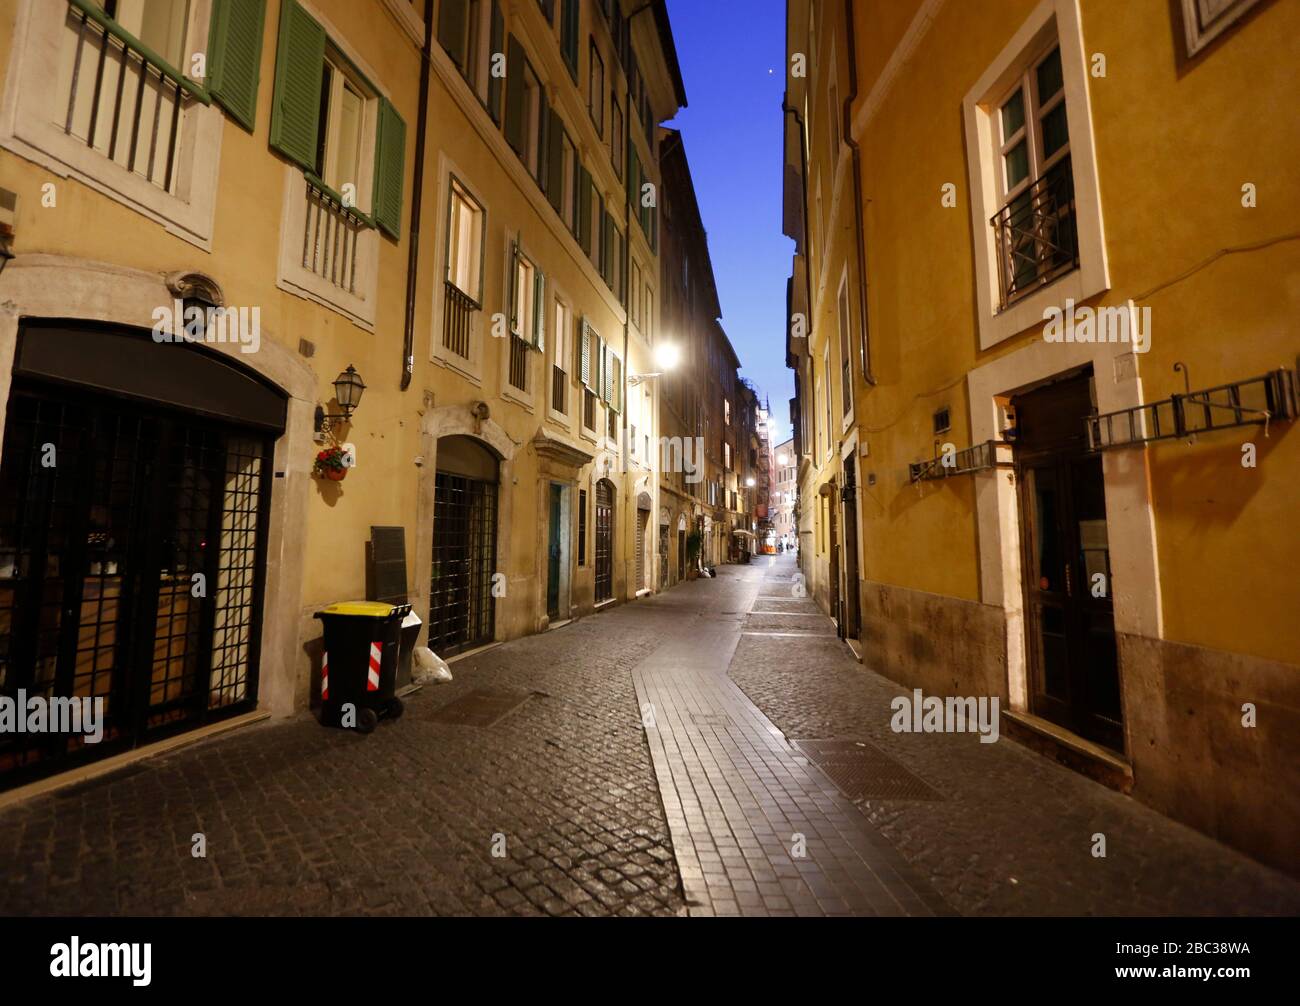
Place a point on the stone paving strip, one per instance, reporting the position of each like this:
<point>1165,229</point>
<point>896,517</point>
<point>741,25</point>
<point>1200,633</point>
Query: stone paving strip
<point>757,829</point>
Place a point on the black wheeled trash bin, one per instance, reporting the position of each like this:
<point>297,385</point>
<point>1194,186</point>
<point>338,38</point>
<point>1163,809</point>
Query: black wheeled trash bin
<point>359,666</point>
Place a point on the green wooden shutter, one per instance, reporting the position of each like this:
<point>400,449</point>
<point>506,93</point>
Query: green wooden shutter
<point>539,311</point>
<point>584,355</point>
<point>452,16</point>
<point>584,210</point>
<point>299,62</point>
<point>512,294</point>
<point>235,56</point>
<point>497,40</point>
<point>555,163</point>
<point>514,127</point>
<point>390,169</point>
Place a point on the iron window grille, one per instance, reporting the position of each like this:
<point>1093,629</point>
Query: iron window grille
<point>1254,401</point>
<point>1037,238</point>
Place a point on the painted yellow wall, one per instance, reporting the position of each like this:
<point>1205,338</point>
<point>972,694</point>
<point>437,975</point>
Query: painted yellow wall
<point>1174,145</point>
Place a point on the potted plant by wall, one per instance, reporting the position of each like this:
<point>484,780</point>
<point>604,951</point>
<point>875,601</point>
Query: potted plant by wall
<point>329,464</point>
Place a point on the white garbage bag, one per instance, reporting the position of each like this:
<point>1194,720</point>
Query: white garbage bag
<point>429,667</point>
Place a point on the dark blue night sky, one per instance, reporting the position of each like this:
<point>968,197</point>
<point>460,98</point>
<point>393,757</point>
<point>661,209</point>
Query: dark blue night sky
<point>732,54</point>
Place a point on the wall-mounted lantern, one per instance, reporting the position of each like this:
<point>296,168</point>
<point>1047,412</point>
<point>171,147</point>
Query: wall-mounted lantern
<point>348,388</point>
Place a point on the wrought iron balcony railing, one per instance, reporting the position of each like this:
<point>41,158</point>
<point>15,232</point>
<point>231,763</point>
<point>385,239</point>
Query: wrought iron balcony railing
<point>559,387</point>
<point>329,240</point>
<point>458,310</point>
<point>124,100</point>
<point>1037,239</point>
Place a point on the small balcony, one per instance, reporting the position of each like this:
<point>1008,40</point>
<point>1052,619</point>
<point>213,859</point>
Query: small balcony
<point>329,240</point>
<point>1036,233</point>
<point>458,310</point>
<point>122,99</point>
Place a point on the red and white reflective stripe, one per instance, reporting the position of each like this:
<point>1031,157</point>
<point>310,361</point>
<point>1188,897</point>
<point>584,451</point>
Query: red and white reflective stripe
<point>372,679</point>
<point>325,677</point>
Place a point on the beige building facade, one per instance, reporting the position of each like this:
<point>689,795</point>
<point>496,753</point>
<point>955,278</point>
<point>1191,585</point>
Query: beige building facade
<point>302,296</point>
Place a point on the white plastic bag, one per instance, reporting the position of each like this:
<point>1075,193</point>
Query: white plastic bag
<point>429,667</point>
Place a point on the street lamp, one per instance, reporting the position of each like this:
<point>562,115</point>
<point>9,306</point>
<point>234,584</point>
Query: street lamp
<point>666,356</point>
<point>750,482</point>
<point>348,388</point>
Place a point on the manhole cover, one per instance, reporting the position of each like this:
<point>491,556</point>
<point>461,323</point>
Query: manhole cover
<point>480,708</point>
<point>864,772</point>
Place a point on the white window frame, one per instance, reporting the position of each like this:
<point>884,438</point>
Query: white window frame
<point>830,399</point>
<point>1199,35</point>
<point>596,86</point>
<point>472,368</point>
<point>342,76</point>
<point>32,126</point>
<point>981,112</point>
<point>844,332</point>
<point>591,433</point>
<point>561,350</point>
<point>525,397</point>
<point>292,277</point>
<point>534,89</point>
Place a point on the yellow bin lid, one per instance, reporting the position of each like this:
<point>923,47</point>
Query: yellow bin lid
<point>371,609</point>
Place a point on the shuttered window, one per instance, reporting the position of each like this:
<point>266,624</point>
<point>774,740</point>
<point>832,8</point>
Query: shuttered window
<point>527,299</point>
<point>585,198</point>
<point>235,57</point>
<point>569,36</point>
<point>390,164</point>
<point>586,345</point>
<point>299,65</point>
<point>318,116</point>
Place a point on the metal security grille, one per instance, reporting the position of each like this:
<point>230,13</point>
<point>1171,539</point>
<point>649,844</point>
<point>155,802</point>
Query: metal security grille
<point>604,541</point>
<point>642,522</point>
<point>461,610</point>
<point>132,562</point>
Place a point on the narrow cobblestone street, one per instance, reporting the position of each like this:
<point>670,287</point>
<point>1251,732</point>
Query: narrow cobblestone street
<point>303,820</point>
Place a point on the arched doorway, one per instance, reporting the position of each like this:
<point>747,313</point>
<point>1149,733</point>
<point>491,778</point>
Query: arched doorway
<point>462,610</point>
<point>681,547</point>
<point>134,508</point>
<point>604,540</point>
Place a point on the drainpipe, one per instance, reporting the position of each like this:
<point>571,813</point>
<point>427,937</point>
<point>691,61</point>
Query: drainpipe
<point>847,133</point>
<point>413,247</point>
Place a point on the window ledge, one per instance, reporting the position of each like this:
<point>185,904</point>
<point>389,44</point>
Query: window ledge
<point>512,394</point>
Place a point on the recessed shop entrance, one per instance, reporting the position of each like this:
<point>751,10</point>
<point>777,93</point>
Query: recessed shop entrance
<point>132,538</point>
<point>462,609</point>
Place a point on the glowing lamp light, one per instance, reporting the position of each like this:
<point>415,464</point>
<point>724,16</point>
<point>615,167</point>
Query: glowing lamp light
<point>667,356</point>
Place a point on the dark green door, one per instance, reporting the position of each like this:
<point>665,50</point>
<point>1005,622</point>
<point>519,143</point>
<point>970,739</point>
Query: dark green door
<point>553,557</point>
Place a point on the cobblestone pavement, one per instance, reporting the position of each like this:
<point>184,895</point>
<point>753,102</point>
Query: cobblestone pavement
<point>304,820</point>
<point>299,819</point>
<point>1013,832</point>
